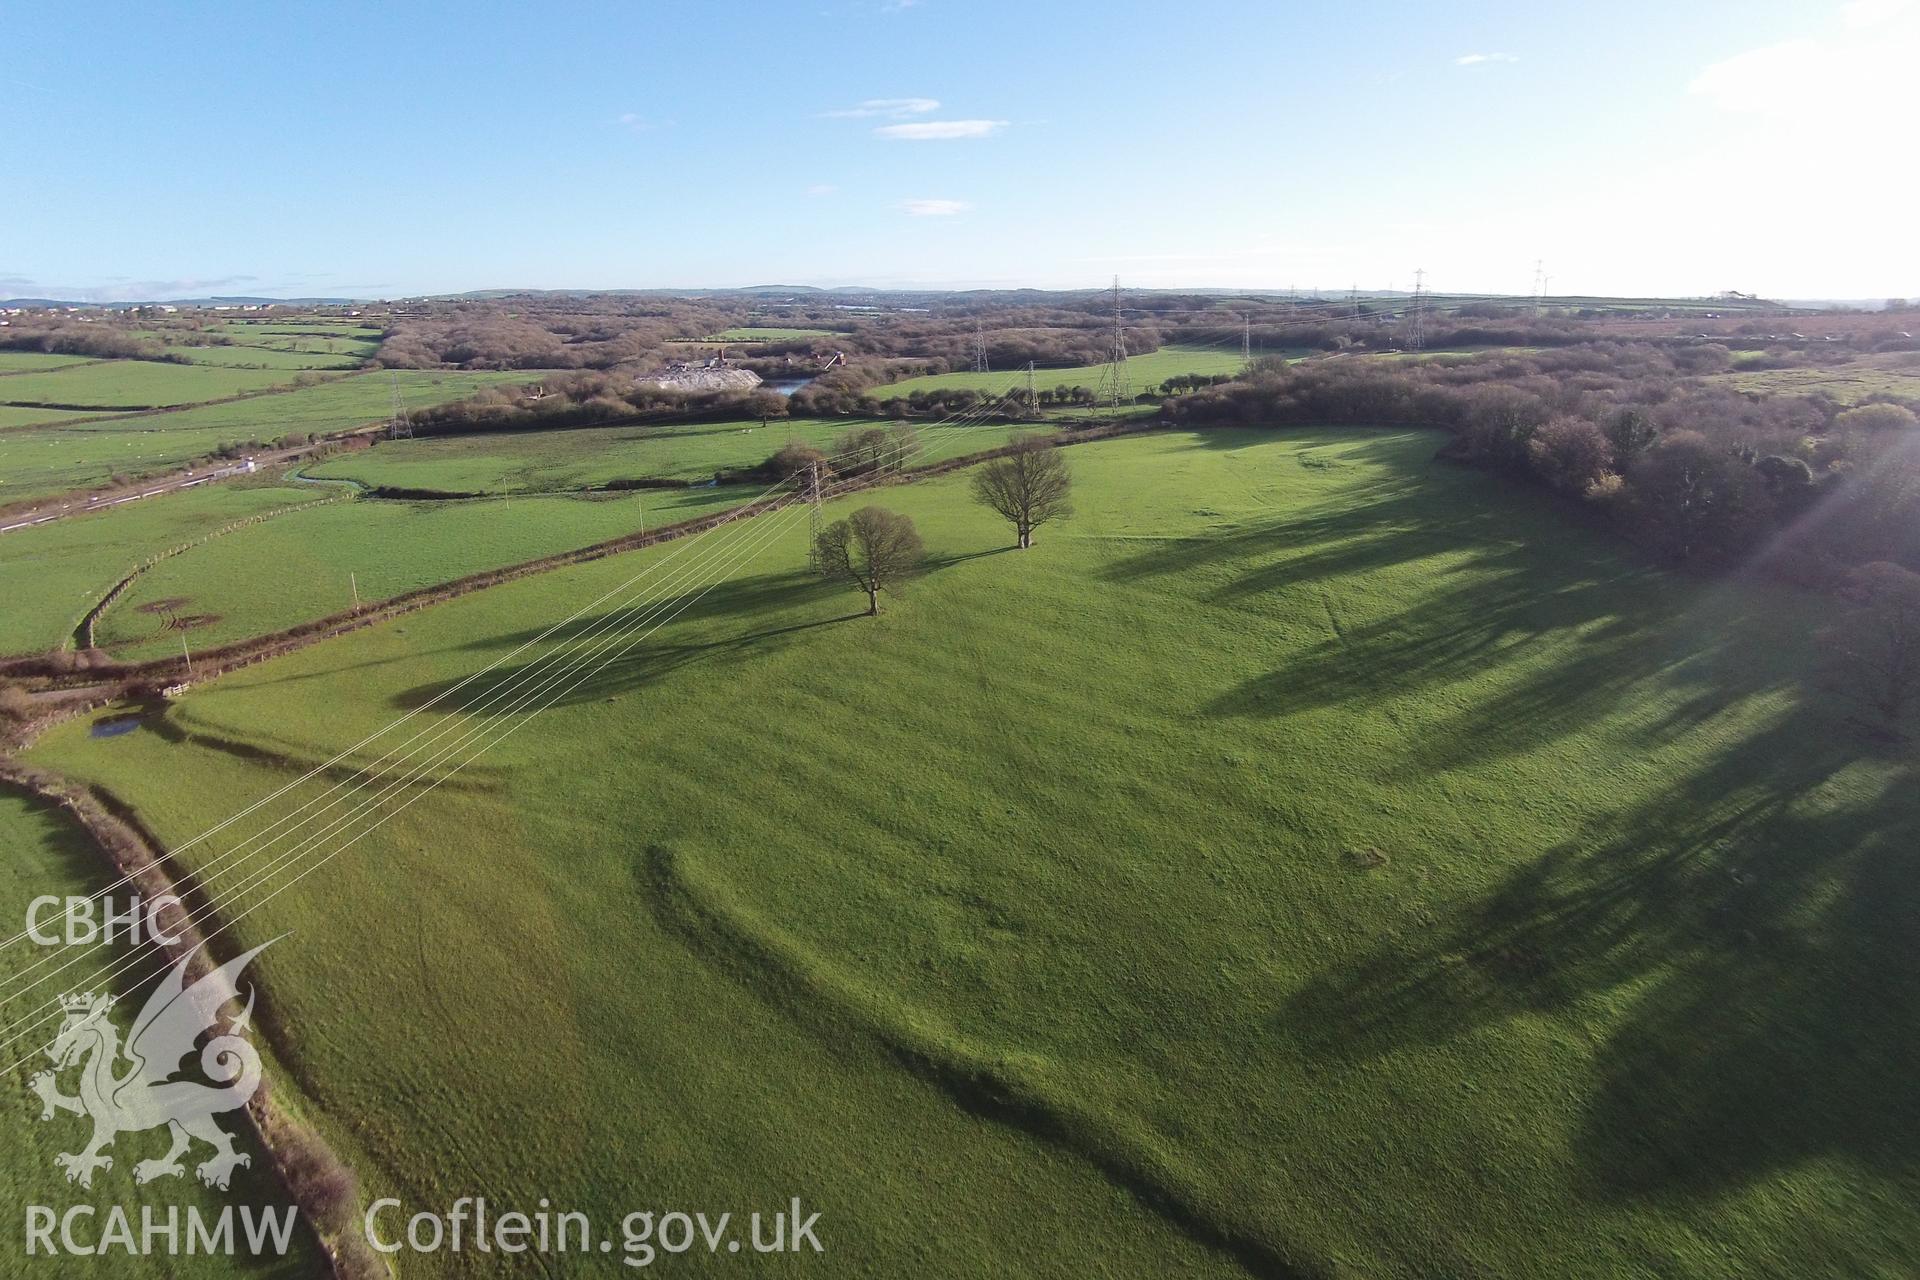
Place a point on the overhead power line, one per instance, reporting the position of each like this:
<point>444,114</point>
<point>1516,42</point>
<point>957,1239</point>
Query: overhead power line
<point>774,522</point>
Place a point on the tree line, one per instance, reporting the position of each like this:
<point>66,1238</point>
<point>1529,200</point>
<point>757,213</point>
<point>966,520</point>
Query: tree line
<point>95,340</point>
<point>1698,471</point>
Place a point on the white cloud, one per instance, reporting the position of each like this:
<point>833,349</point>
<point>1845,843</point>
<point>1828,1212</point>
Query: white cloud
<point>939,130</point>
<point>1872,13</point>
<point>633,121</point>
<point>822,189</point>
<point>891,108</point>
<point>934,208</point>
<point>1867,68</point>
<point>1762,80</point>
<point>1475,59</point>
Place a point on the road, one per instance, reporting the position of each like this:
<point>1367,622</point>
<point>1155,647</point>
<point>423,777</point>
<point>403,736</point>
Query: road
<point>81,502</point>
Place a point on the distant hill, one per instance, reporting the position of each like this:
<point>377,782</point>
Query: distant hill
<point>180,302</point>
<point>867,293</point>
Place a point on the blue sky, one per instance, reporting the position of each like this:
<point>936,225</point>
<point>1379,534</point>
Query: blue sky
<point>378,150</point>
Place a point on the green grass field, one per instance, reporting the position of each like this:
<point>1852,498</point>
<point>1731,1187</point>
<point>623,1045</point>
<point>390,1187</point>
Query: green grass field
<point>294,568</point>
<point>1442,355</point>
<point>290,346</point>
<point>36,362</point>
<point>768,333</point>
<point>46,854</point>
<point>1309,854</point>
<point>1847,383</point>
<point>37,462</point>
<point>109,385</point>
<point>307,327</point>
<point>51,574</point>
<point>1145,372</point>
<point>523,461</point>
<point>11,416</point>
<point>345,356</point>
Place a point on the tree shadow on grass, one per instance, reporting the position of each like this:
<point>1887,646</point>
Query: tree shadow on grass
<point>1526,643</point>
<point>1394,445</point>
<point>1493,597</point>
<point>1758,940</point>
<point>1375,526</point>
<point>414,758</point>
<point>611,653</point>
<point>961,557</point>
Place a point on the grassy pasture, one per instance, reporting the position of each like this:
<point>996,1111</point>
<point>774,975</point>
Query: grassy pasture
<point>35,462</point>
<point>348,356</point>
<point>314,327</point>
<point>44,460</point>
<point>516,462</point>
<point>338,403</point>
<point>108,385</point>
<point>12,416</point>
<point>36,361</point>
<point>1446,355</point>
<point>47,854</point>
<point>295,567</point>
<point>51,574</point>
<point>1847,383</point>
<point>1145,372</point>
<point>768,333</point>
<point>1409,885</point>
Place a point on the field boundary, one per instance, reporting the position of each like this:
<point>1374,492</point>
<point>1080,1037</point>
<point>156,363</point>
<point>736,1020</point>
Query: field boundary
<point>74,363</point>
<point>324,1190</point>
<point>83,637</point>
<point>228,658</point>
<point>122,415</point>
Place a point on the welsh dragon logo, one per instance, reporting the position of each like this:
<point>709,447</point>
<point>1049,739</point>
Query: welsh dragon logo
<point>135,1087</point>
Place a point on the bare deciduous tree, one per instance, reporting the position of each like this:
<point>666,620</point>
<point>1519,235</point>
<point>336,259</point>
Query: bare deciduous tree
<point>875,448</point>
<point>1569,453</point>
<point>873,548</point>
<point>1029,486</point>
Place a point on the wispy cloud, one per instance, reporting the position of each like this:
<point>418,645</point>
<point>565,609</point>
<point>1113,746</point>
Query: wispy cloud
<point>1476,59</point>
<point>822,189</point>
<point>934,208</point>
<point>125,289</point>
<point>634,122</point>
<point>939,130</point>
<point>891,108</point>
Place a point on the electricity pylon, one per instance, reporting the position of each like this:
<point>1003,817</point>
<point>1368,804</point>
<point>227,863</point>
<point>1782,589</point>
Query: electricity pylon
<point>399,428</point>
<point>1115,388</point>
<point>813,516</point>
<point>1416,313</point>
